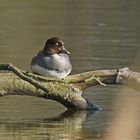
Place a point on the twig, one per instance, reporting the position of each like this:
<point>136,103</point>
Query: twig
<point>95,78</point>
<point>18,72</point>
<point>44,79</point>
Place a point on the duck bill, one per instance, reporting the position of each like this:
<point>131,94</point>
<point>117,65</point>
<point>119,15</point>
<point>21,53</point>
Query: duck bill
<point>65,51</point>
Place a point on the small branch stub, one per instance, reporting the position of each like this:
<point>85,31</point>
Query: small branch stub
<point>122,75</point>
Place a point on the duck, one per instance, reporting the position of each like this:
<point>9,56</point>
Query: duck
<point>53,60</point>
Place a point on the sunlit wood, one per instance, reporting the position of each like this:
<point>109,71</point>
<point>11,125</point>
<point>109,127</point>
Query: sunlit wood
<point>67,91</point>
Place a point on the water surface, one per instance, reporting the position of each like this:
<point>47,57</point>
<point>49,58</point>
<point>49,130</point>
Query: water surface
<point>99,35</point>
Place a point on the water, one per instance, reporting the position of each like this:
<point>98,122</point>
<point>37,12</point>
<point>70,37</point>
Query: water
<point>99,35</point>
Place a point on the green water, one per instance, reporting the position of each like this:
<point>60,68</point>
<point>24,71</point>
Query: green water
<point>99,35</point>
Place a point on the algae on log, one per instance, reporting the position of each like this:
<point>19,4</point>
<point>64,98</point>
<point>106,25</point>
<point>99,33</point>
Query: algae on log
<point>68,91</point>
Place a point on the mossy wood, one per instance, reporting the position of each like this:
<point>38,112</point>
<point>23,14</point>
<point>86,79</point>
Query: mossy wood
<point>68,91</point>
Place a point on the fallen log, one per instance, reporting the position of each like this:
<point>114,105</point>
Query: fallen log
<point>14,81</point>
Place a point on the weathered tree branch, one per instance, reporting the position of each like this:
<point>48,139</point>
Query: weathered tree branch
<point>68,91</point>
<point>129,78</point>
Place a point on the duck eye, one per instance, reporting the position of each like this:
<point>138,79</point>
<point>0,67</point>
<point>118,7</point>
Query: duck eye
<point>56,44</point>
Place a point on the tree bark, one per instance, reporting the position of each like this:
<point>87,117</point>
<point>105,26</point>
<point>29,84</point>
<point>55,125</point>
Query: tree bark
<point>67,91</point>
<point>129,78</point>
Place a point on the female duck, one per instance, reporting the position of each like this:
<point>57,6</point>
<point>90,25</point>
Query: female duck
<point>53,60</point>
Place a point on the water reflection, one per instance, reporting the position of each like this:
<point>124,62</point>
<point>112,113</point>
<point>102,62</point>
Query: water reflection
<point>66,126</point>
